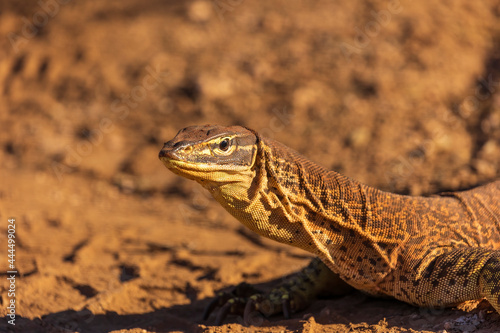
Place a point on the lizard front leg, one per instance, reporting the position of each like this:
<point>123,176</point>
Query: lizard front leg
<point>294,294</point>
<point>489,281</point>
<point>453,277</point>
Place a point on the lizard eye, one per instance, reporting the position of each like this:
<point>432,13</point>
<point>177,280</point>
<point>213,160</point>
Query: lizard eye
<point>224,144</point>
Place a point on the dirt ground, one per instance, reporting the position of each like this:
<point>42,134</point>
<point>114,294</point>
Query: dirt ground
<point>401,95</point>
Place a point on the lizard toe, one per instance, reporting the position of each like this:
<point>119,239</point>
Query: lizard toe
<point>222,314</point>
<point>232,302</point>
<point>286,308</point>
<point>220,300</point>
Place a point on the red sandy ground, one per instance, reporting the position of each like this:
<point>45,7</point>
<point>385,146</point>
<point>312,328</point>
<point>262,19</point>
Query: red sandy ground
<point>402,95</point>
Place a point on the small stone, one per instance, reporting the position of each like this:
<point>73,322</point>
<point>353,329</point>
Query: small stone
<point>489,148</point>
<point>359,137</point>
<point>468,328</point>
<point>482,315</point>
<point>485,168</point>
<point>200,11</point>
<point>307,316</point>
<point>326,312</point>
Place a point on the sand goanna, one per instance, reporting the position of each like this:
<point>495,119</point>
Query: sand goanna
<point>427,251</point>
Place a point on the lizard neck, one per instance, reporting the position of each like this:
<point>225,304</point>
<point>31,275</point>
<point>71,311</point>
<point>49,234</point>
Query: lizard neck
<point>327,214</point>
<point>292,199</point>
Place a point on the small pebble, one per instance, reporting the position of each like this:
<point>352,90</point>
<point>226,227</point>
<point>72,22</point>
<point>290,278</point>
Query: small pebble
<point>482,315</point>
<point>200,11</point>
<point>307,316</point>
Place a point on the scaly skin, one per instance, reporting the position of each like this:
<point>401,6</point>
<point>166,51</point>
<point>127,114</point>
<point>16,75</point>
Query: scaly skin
<point>427,251</point>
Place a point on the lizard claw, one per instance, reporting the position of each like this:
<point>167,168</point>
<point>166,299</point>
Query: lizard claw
<point>219,300</point>
<point>286,308</point>
<point>222,314</point>
<point>249,308</point>
<point>210,308</point>
<point>250,311</point>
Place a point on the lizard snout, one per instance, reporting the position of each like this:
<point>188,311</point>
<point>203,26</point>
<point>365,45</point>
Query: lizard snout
<point>168,151</point>
<point>174,149</point>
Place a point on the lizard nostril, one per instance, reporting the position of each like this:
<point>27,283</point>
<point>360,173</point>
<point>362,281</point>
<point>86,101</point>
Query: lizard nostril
<point>188,149</point>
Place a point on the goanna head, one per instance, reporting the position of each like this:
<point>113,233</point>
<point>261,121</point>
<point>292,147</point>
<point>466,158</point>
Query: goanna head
<point>212,155</point>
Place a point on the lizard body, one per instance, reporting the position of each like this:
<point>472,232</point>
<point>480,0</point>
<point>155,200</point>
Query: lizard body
<point>427,251</point>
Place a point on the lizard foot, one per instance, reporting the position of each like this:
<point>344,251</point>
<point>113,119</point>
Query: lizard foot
<point>248,301</point>
<point>233,302</point>
<point>294,294</point>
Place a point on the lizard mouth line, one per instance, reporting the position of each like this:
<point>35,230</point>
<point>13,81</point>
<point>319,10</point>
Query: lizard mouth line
<point>173,163</point>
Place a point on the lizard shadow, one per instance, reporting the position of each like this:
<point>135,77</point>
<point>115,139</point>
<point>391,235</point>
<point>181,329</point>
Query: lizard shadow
<point>353,310</point>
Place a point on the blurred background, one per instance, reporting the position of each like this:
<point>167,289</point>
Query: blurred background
<point>401,95</point>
